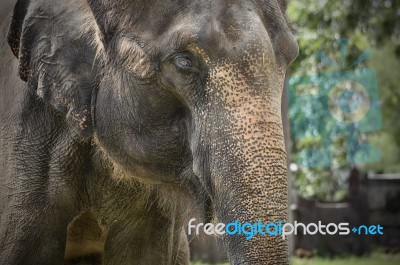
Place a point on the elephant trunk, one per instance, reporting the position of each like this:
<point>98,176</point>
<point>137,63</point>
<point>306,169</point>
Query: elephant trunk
<point>245,172</point>
<point>253,190</point>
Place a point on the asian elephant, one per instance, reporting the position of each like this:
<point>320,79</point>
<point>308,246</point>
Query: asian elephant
<point>118,116</point>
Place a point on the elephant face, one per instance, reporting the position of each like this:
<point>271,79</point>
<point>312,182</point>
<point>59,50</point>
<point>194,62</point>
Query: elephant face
<point>169,69</point>
<point>184,92</point>
<point>203,81</point>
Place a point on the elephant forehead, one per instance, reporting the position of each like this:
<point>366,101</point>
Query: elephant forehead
<point>165,11</point>
<point>233,18</point>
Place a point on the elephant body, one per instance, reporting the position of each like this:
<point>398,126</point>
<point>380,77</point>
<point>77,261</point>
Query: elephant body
<point>118,117</point>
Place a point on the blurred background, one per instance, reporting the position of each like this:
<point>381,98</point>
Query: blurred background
<point>341,108</point>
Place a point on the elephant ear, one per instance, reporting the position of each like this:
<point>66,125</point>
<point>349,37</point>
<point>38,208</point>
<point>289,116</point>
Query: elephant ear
<point>133,51</point>
<point>56,44</point>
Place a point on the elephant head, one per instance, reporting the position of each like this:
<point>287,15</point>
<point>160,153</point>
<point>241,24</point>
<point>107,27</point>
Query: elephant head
<point>181,93</point>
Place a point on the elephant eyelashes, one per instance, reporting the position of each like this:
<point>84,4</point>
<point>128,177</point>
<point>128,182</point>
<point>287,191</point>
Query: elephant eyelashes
<point>186,62</point>
<point>183,62</point>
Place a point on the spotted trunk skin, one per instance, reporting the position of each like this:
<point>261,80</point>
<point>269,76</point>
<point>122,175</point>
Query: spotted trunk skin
<point>239,124</point>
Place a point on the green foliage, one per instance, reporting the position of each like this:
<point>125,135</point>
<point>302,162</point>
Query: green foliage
<point>387,66</point>
<point>370,26</point>
<point>374,259</point>
<point>390,153</point>
<point>321,184</point>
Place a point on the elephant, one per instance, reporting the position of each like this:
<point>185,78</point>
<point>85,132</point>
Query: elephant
<point>120,116</point>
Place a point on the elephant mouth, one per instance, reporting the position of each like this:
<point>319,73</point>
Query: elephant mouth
<point>135,171</point>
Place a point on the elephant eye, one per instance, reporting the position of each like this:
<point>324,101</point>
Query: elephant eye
<point>185,62</point>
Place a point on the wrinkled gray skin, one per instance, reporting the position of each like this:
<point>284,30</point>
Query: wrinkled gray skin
<point>117,115</point>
